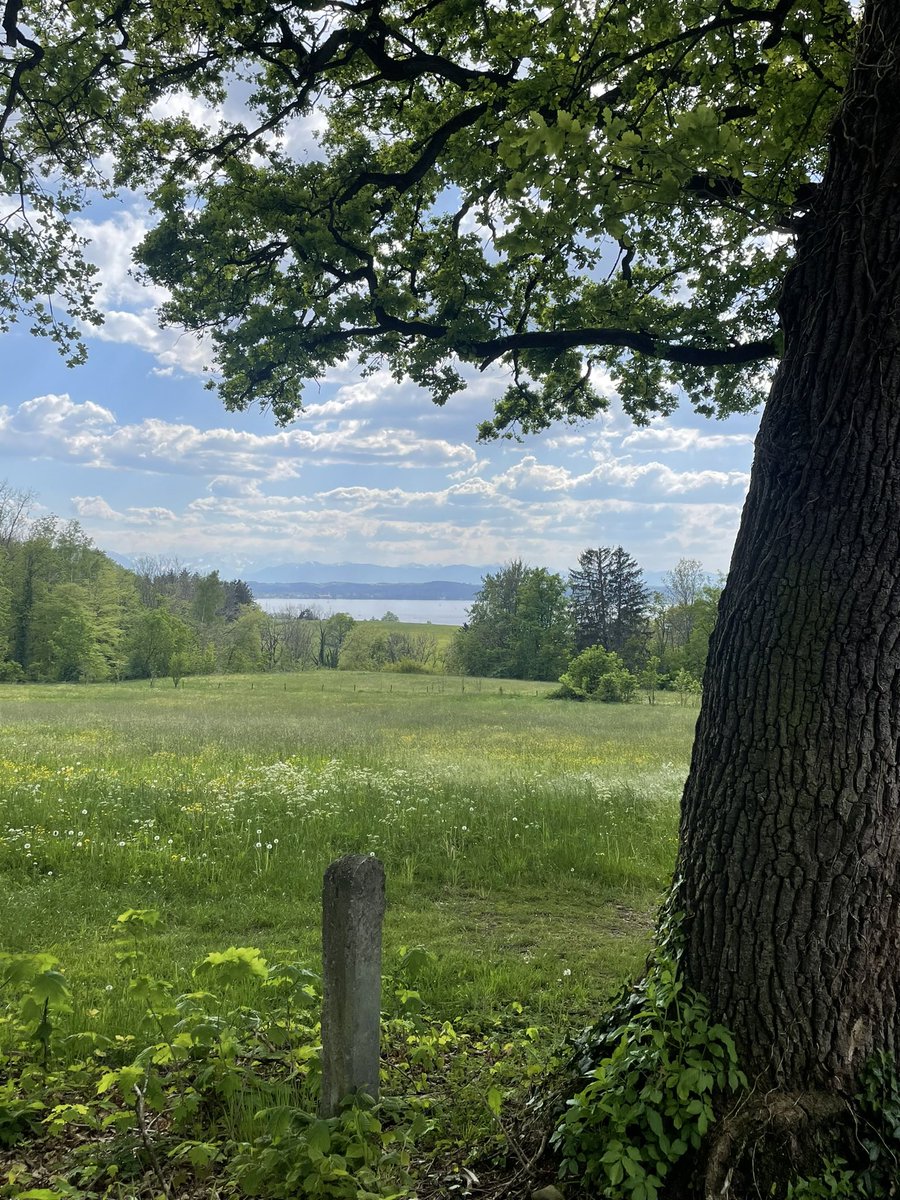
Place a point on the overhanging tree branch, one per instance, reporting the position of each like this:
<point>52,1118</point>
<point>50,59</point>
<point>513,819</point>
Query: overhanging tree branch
<point>487,351</point>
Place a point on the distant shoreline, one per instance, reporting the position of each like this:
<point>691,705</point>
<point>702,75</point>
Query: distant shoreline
<point>435,589</point>
<point>412,611</point>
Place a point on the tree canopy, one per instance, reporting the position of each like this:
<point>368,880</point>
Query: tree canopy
<point>568,192</point>
<point>519,626</point>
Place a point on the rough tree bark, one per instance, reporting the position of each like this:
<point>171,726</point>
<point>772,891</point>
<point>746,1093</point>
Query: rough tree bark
<point>790,878</point>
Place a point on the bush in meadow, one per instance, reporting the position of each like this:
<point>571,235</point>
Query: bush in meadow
<point>597,674</point>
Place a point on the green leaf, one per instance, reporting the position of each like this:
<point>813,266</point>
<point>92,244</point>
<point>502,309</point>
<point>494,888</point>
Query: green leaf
<point>237,963</point>
<point>318,1137</point>
<point>654,1120</point>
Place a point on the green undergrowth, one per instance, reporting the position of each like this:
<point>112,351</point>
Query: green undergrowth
<point>213,1090</point>
<point>660,1072</point>
<point>871,1168</point>
<point>656,1064</point>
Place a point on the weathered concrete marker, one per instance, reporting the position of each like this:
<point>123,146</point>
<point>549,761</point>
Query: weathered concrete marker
<point>352,917</point>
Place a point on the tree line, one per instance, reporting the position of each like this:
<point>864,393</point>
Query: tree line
<point>69,613</point>
<point>602,622</point>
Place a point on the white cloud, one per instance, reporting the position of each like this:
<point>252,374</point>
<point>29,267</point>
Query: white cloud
<point>342,487</point>
<point>56,427</point>
<point>111,247</point>
<point>150,516</point>
<point>94,506</point>
<point>671,439</point>
<point>173,349</point>
<point>233,485</point>
<point>567,441</point>
<point>97,508</point>
<point>612,472</point>
<point>705,531</point>
<point>129,305</point>
<point>529,473</point>
<point>394,526</point>
<point>56,416</point>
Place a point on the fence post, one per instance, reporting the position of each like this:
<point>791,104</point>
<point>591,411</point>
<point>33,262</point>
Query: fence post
<point>352,917</point>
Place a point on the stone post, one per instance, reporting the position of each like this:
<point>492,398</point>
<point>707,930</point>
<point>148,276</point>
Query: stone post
<point>352,917</point>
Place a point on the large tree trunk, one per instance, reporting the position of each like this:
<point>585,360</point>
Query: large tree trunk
<point>789,867</point>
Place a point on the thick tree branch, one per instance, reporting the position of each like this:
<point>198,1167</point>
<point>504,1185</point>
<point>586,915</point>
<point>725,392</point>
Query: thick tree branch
<point>11,21</point>
<point>488,350</point>
<point>629,339</point>
<point>401,181</point>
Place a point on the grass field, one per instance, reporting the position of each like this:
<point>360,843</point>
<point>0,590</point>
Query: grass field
<point>526,842</point>
<point>442,634</point>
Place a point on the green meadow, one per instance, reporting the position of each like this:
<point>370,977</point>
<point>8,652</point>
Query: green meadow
<point>526,842</point>
<point>161,861</point>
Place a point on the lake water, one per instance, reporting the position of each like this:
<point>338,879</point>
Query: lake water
<point>422,612</point>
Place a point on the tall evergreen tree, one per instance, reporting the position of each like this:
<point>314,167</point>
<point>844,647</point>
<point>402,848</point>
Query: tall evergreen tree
<point>609,602</point>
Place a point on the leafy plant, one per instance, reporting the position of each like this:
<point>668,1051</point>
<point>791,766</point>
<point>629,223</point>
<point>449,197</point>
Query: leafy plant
<point>221,1086</point>
<point>654,1070</point>
<point>19,1117</point>
<point>877,1126</point>
<point>597,674</point>
<point>42,992</point>
<point>354,1156</point>
<point>834,1183</point>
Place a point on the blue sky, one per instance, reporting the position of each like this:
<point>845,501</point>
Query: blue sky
<point>135,448</point>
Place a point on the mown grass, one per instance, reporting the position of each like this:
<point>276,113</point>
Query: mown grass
<point>526,842</point>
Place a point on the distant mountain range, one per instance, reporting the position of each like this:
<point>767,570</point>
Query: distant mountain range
<point>370,573</point>
<point>359,581</point>
<point>432,589</point>
<point>347,580</point>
